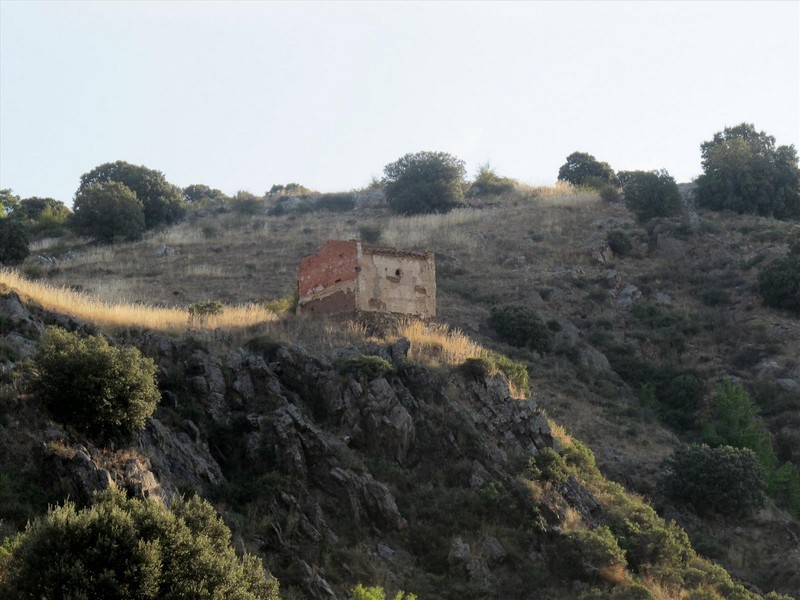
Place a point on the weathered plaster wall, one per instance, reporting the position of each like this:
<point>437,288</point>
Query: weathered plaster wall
<point>397,283</point>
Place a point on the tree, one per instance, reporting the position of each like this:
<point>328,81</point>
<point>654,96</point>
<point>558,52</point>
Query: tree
<point>198,193</point>
<point>650,194</point>
<point>723,479</point>
<point>162,201</point>
<point>106,211</point>
<point>105,392</point>
<point>44,216</point>
<point>425,182</point>
<point>584,169</point>
<point>520,326</point>
<point>13,241</point>
<point>130,549</point>
<point>779,282</point>
<point>9,201</point>
<point>745,172</point>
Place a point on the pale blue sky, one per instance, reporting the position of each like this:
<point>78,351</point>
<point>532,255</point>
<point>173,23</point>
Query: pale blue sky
<point>242,95</point>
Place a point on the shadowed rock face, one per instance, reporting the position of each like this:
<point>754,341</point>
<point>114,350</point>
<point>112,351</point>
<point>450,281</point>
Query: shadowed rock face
<point>410,480</point>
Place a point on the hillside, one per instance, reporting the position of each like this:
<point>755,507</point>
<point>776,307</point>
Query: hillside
<point>440,499</point>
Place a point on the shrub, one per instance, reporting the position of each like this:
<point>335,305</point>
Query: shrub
<point>550,466</point>
<point>520,326</point>
<point>779,283</point>
<point>650,194</point>
<point>619,242</point>
<point>584,169</point>
<point>198,195</point>
<point>724,479</point>
<point>593,554</point>
<point>376,593</point>
<point>489,183</point>
<point>367,367</point>
<point>13,241</point>
<point>369,233</point>
<point>246,204</point>
<point>610,193</point>
<point>206,308</point>
<point>425,182</point>
<point>745,172</point>
<point>103,391</point>
<point>129,549</point>
<point>493,362</point>
<point>107,211</point>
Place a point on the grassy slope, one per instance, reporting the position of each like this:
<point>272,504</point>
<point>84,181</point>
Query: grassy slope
<point>534,249</point>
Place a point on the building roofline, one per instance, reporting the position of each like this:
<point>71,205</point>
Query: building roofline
<point>388,251</point>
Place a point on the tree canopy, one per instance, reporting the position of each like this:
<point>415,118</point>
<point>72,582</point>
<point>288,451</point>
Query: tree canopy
<point>107,211</point>
<point>103,391</point>
<point>162,202</point>
<point>582,168</point>
<point>425,182</point>
<point>650,194</point>
<point>744,171</point>
<point>13,241</point>
<point>723,479</point>
<point>130,549</point>
<point>201,194</point>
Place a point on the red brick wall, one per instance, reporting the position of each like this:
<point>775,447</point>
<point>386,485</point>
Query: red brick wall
<point>335,261</point>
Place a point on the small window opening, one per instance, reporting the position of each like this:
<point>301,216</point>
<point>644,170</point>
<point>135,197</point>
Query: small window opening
<point>398,273</point>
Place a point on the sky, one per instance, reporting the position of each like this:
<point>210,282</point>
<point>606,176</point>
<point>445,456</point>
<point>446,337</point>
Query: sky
<point>244,95</point>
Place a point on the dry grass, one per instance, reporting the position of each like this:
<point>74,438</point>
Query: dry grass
<point>436,344</point>
<point>431,231</point>
<point>125,315</point>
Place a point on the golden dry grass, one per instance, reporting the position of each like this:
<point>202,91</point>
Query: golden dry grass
<point>436,344</point>
<point>125,315</point>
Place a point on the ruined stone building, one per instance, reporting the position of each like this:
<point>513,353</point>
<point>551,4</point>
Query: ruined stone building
<point>349,276</point>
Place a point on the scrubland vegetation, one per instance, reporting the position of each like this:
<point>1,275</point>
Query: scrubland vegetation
<point>663,335</point>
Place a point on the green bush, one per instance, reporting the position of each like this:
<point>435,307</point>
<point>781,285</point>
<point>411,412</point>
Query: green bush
<point>584,169</point>
<point>619,242</point>
<point>425,182</point>
<point>592,554</point>
<point>550,466</point>
<point>13,241</point>
<point>367,367</point>
<point>520,326</point>
<point>493,362</point>
<point>205,308</point>
<point>107,211</point>
<point>779,283</point>
<point>200,195</point>
<point>103,391</point>
<point>489,183</point>
<point>745,172</point>
<point>130,549</point>
<point>376,593</point>
<point>724,479</point>
<point>161,201</point>
<point>650,194</point>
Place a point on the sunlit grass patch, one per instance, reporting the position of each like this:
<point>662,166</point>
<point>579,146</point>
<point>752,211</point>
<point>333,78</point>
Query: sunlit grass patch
<point>88,308</point>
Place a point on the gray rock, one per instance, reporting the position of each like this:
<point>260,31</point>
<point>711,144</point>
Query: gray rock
<point>663,299</point>
<point>164,250</point>
<point>369,499</point>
